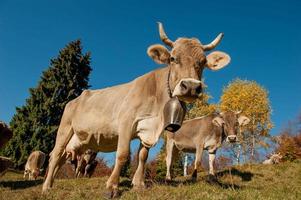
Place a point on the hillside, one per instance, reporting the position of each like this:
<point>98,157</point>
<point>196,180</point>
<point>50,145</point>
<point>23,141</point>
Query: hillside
<point>281,181</point>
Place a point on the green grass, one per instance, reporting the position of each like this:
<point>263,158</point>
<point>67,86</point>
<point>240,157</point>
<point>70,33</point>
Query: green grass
<point>281,181</point>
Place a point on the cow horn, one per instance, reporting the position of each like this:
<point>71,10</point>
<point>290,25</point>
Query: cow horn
<point>163,35</point>
<point>214,43</point>
<point>238,112</point>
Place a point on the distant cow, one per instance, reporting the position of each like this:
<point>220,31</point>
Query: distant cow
<point>274,159</point>
<point>86,164</point>
<point>204,133</point>
<point>34,164</point>
<point>5,134</point>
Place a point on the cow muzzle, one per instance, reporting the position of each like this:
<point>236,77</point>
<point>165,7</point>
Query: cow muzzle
<point>188,89</point>
<point>232,138</point>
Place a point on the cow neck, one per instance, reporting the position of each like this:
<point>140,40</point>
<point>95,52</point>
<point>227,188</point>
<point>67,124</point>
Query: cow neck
<point>168,80</point>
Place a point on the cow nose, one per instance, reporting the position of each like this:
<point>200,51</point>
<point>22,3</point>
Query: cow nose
<point>184,85</point>
<point>198,90</point>
<point>232,138</point>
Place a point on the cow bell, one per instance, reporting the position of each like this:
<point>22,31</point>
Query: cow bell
<point>174,113</point>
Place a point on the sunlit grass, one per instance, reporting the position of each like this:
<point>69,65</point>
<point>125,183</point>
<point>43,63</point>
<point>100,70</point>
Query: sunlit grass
<point>281,181</point>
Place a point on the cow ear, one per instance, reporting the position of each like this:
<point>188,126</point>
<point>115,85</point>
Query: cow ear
<point>217,60</point>
<point>243,120</point>
<point>218,121</point>
<point>159,54</point>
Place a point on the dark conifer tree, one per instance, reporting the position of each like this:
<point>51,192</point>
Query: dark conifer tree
<point>35,124</point>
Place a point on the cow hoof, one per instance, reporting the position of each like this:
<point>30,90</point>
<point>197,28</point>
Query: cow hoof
<point>168,180</point>
<point>45,190</point>
<point>111,194</point>
<point>212,179</point>
<point>194,178</point>
<point>140,187</point>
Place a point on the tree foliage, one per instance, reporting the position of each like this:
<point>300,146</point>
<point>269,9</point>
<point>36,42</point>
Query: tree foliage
<point>35,123</point>
<point>252,99</point>
<point>201,107</point>
<point>289,141</point>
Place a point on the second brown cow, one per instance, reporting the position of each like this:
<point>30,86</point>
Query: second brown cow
<point>204,133</point>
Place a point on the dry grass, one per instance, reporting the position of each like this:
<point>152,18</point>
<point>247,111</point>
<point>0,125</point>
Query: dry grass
<point>281,181</point>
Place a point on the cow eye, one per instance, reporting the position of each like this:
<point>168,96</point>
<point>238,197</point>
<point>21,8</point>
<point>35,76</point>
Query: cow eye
<point>202,62</point>
<point>172,59</point>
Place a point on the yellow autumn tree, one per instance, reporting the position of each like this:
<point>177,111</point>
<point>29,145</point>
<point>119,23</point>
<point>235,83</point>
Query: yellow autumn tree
<point>201,107</point>
<point>252,100</point>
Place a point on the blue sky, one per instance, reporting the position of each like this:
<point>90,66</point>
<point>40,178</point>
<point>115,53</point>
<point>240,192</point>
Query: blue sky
<point>263,39</point>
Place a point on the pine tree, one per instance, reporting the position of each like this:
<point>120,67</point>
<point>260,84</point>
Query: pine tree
<point>35,124</point>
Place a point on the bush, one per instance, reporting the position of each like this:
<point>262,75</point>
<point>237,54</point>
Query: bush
<point>289,146</point>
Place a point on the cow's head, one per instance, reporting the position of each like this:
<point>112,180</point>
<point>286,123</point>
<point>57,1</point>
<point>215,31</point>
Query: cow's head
<point>187,59</point>
<point>230,122</point>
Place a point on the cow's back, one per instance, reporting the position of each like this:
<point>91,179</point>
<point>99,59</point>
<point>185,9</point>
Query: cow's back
<point>194,127</point>
<point>95,108</point>
<point>35,160</point>
<point>100,111</point>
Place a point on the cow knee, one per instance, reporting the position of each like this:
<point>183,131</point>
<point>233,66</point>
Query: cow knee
<point>122,158</point>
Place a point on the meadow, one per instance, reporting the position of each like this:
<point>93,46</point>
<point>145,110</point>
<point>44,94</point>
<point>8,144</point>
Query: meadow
<point>256,181</point>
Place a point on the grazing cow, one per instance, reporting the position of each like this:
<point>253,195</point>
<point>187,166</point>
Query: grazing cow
<point>201,133</point>
<point>34,164</point>
<point>5,134</point>
<point>274,159</point>
<point>85,164</point>
<point>107,120</point>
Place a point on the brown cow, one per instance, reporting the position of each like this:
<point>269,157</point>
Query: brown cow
<point>108,119</point>
<point>5,134</point>
<point>274,158</point>
<point>86,163</point>
<point>34,164</point>
<point>201,133</point>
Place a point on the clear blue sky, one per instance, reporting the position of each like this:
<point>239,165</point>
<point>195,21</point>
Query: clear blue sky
<point>263,39</point>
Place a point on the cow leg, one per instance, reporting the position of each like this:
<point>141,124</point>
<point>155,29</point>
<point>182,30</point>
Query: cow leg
<point>212,178</point>
<point>211,163</point>
<point>61,162</point>
<point>123,149</point>
<point>25,173</point>
<point>197,162</point>
<point>54,162</point>
<point>171,151</point>
<point>30,176</point>
<point>138,179</point>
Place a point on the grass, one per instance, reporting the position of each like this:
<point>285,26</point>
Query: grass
<point>281,181</point>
